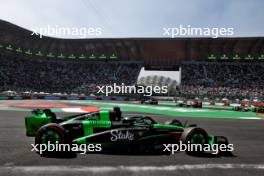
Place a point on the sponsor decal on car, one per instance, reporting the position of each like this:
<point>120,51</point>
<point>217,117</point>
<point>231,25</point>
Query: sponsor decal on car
<point>117,135</point>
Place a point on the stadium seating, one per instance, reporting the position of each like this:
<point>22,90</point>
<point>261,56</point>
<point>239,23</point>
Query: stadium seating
<point>223,79</point>
<point>54,75</point>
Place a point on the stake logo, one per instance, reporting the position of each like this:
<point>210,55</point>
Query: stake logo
<point>120,135</point>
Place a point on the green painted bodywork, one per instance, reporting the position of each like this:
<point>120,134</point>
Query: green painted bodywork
<point>170,127</point>
<point>89,125</point>
<point>103,122</point>
<point>104,115</point>
<point>81,140</point>
<point>35,121</point>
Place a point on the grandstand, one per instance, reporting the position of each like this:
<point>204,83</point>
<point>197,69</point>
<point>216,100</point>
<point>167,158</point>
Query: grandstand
<point>159,81</point>
<point>208,66</point>
<point>55,76</point>
<point>223,80</point>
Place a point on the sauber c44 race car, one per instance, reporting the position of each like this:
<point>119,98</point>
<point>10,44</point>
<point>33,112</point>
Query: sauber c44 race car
<point>113,132</point>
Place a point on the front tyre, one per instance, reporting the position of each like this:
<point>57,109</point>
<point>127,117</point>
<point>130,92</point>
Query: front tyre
<point>195,137</point>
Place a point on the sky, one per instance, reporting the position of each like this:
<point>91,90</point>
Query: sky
<point>136,18</point>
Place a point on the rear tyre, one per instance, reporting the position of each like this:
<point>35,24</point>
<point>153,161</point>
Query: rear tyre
<point>51,134</point>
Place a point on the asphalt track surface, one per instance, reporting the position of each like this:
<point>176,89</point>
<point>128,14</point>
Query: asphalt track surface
<point>16,157</point>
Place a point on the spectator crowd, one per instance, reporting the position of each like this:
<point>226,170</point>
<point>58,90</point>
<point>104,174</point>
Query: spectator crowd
<point>198,78</point>
<point>52,75</point>
<point>222,79</point>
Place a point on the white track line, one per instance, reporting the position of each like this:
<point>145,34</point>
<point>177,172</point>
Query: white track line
<point>106,169</point>
<point>250,118</point>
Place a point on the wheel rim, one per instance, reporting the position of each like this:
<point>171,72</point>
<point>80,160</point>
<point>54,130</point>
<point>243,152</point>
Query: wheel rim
<point>51,136</point>
<point>198,138</point>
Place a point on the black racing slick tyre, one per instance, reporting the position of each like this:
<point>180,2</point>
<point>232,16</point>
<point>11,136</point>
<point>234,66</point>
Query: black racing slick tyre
<point>221,140</point>
<point>51,135</point>
<point>196,136</point>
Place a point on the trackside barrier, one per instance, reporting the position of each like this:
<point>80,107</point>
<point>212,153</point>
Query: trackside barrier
<point>38,97</point>
<point>73,98</point>
<point>3,98</point>
<point>51,98</point>
<point>90,98</point>
<point>26,97</point>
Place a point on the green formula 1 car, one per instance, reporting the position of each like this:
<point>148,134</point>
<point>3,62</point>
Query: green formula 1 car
<point>115,133</point>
